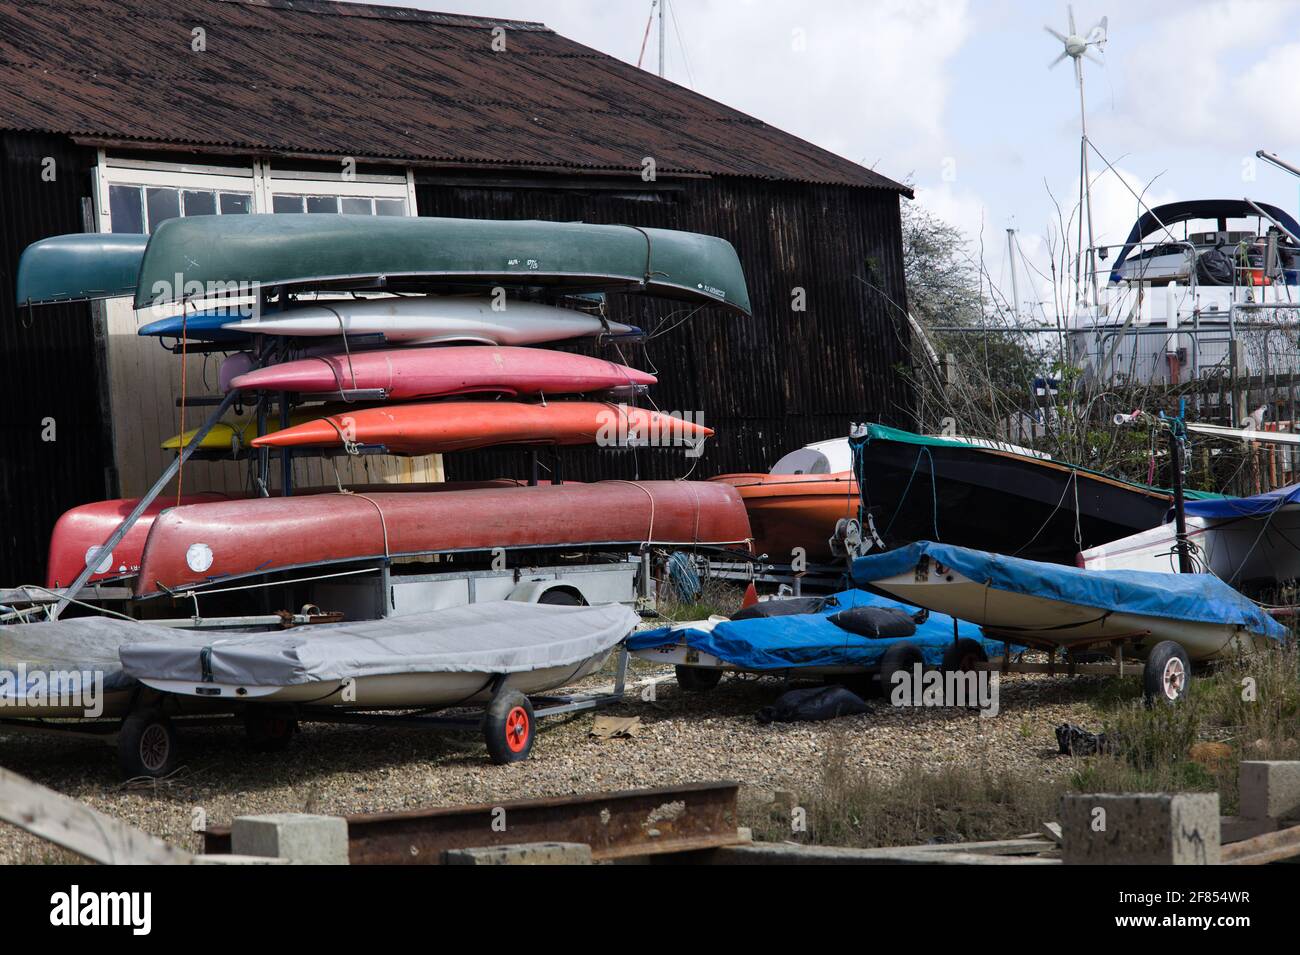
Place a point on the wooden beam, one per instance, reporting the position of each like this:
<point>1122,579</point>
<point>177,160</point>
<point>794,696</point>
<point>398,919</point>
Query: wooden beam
<point>1270,847</point>
<point>74,826</point>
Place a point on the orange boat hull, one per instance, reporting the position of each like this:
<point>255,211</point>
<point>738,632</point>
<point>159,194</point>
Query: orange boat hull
<point>795,510</point>
<point>431,428</point>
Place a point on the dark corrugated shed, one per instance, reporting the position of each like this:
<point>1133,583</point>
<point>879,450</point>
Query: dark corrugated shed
<point>549,130</point>
<point>49,364</point>
<point>767,384</point>
<point>371,82</point>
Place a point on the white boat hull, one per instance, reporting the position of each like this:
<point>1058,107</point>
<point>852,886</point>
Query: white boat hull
<point>1039,620</point>
<point>432,320</point>
<point>1240,551</point>
<point>388,691</point>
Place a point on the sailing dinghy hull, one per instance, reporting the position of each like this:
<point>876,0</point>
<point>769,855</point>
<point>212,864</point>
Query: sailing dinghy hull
<point>1046,605</point>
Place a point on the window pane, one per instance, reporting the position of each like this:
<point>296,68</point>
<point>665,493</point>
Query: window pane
<point>124,208</point>
<point>322,204</point>
<point>200,203</point>
<point>286,204</point>
<point>236,203</point>
<point>163,204</point>
<point>390,207</point>
<point>355,207</point>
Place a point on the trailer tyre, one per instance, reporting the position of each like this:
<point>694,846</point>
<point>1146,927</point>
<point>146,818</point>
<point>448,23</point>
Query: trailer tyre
<point>697,679</point>
<point>269,732</point>
<point>146,745</point>
<point>509,727</point>
<point>901,657</point>
<point>1167,673</point>
<point>962,655</point>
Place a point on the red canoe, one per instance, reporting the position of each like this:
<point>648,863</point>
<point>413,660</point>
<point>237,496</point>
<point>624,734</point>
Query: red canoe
<point>83,529</point>
<point>199,543</point>
<point>438,372</point>
<point>86,527</point>
<point>464,425</point>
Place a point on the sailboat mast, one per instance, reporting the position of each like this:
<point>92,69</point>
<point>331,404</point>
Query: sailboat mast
<point>662,4</point>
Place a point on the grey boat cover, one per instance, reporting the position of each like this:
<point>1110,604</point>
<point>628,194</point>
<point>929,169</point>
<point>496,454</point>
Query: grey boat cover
<point>73,647</point>
<point>496,637</point>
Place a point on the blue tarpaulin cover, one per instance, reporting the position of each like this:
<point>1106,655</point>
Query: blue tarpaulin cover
<point>811,639</point>
<point>1200,597</point>
<point>1229,507</point>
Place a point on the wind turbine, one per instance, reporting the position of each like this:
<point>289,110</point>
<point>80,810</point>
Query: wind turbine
<point>1076,47</point>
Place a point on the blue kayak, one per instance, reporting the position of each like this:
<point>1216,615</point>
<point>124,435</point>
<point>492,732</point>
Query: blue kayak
<point>198,326</point>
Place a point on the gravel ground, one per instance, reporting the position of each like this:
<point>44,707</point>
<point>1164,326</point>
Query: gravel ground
<point>683,737</point>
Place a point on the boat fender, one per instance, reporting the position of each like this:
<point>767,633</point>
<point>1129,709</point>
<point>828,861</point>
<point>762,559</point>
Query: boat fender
<point>876,622</point>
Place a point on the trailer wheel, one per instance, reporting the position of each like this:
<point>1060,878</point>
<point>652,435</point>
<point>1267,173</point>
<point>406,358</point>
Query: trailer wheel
<point>508,727</point>
<point>697,679</point>
<point>268,732</point>
<point>962,655</point>
<point>900,657</point>
<point>1167,673</point>
<point>146,745</point>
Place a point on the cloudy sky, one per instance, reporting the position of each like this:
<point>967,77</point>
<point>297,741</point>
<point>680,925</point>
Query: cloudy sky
<point>956,96</point>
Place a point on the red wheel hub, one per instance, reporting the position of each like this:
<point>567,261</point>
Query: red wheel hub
<point>517,729</point>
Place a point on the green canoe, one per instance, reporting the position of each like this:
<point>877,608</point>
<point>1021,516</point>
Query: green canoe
<point>76,268</point>
<point>395,253</point>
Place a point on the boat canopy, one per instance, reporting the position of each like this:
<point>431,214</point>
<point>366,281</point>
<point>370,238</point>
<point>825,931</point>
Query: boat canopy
<point>79,267</point>
<point>499,636</point>
<point>207,255</point>
<point>809,639</point>
<point>1198,597</point>
<point>1257,506</point>
<point>1222,209</point>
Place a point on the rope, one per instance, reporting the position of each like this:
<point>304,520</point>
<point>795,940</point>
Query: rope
<point>644,490</point>
<point>383,522</point>
<point>351,447</point>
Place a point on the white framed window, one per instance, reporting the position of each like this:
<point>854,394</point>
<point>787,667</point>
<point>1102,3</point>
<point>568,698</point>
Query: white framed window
<point>134,195</point>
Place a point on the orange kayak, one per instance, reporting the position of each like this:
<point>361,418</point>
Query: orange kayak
<point>464,425</point>
<point>795,510</point>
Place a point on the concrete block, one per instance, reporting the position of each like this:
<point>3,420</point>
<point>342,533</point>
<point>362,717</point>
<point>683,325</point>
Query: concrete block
<point>1140,829</point>
<point>524,853</point>
<point>1270,789</point>
<point>300,838</point>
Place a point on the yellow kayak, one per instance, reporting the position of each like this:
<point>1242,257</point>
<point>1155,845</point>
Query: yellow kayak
<point>237,435</point>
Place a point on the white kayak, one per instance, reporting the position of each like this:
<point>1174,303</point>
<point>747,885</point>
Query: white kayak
<point>432,320</point>
<point>1050,605</point>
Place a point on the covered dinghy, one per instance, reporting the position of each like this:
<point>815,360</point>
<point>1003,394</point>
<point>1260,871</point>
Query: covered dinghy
<point>1246,541</point>
<point>1050,605</point>
<point>440,658</point>
<point>808,642</point>
<point>71,667</point>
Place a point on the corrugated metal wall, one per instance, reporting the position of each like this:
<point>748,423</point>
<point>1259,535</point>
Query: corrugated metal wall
<point>767,384</point>
<point>48,369</point>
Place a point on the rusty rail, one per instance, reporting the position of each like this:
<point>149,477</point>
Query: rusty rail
<point>1263,849</point>
<point>637,822</point>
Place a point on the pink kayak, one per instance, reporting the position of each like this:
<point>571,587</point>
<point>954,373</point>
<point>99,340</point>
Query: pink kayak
<point>438,372</point>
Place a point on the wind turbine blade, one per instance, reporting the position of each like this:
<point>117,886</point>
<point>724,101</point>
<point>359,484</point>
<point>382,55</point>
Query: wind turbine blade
<point>1070,10</point>
<point>1095,59</point>
<point>1057,60</point>
<point>1060,36</point>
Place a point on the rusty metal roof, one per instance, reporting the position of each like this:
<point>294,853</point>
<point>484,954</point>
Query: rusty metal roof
<point>313,77</point>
